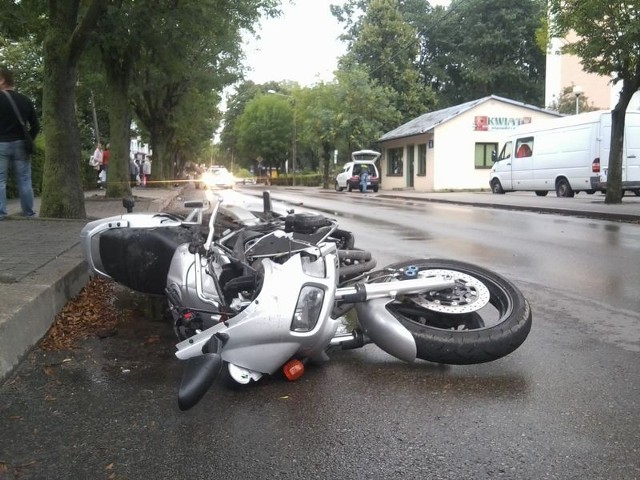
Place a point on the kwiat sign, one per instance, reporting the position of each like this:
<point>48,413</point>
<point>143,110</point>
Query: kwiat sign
<point>482,123</point>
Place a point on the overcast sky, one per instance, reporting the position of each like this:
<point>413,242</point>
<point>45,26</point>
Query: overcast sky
<point>300,45</point>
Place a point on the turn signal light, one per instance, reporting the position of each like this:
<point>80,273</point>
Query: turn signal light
<point>293,370</point>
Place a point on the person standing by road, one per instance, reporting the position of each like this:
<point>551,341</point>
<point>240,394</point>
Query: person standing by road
<point>97,159</point>
<point>13,149</point>
<point>105,158</point>
<point>134,171</point>
<point>146,170</point>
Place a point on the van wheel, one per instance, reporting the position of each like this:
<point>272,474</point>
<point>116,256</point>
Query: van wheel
<point>339,188</point>
<point>563,189</point>
<point>496,187</point>
<point>375,189</point>
<point>541,193</point>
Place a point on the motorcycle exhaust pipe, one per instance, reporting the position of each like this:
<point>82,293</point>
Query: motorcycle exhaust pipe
<point>199,374</point>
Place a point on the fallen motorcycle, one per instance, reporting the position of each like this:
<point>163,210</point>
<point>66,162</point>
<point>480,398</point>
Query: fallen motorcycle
<point>254,292</point>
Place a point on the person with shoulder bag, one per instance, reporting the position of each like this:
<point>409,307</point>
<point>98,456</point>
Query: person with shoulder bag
<point>16,142</point>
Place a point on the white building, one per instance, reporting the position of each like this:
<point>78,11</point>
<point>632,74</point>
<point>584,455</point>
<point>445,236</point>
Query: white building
<point>452,149</point>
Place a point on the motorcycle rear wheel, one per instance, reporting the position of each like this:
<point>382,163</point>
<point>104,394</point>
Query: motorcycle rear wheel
<point>487,334</point>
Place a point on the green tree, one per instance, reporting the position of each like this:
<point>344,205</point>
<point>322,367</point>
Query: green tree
<point>236,103</point>
<point>264,130</point>
<point>608,42</point>
<point>366,111</point>
<point>386,45</point>
<point>566,104</point>
<point>477,48</point>
<point>195,50</point>
<point>67,31</point>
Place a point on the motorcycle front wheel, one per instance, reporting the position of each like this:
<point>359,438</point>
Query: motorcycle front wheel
<point>483,318</point>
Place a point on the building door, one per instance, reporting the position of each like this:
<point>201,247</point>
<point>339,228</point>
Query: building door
<point>410,169</point>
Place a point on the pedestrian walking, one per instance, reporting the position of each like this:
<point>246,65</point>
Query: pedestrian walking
<point>16,142</point>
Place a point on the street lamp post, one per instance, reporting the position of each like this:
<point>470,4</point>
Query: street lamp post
<point>577,91</point>
<point>295,135</point>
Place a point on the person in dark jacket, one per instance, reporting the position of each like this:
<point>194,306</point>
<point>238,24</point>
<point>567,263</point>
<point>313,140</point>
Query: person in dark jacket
<point>12,143</point>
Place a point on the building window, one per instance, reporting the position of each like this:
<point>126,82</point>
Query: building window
<point>394,162</point>
<point>486,154</point>
<point>422,160</point>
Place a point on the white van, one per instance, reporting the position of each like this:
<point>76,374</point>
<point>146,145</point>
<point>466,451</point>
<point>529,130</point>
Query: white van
<point>566,155</point>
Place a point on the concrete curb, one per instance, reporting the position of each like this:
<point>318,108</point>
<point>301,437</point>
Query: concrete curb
<point>34,308</point>
<point>31,304</point>
<point>616,216</point>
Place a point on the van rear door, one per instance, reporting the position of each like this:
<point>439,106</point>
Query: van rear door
<point>631,155</point>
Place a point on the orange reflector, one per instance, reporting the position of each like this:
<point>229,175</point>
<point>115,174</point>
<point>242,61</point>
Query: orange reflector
<point>293,370</point>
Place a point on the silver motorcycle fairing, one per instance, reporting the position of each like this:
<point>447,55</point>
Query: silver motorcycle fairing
<point>90,233</point>
<point>189,280</point>
<point>385,330</point>
<point>260,337</point>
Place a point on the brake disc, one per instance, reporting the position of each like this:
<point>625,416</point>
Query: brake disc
<point>468,295</point>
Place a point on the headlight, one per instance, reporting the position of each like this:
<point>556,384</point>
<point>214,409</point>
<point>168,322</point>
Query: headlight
<point>307,312</point>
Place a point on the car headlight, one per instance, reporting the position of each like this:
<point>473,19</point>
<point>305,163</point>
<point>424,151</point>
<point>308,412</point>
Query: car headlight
<point>308,308</point>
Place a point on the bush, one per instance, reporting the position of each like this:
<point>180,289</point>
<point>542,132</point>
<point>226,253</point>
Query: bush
<point>304,180</point>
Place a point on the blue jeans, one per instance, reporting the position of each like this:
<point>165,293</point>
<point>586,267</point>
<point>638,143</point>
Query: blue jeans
<point>13,153</point>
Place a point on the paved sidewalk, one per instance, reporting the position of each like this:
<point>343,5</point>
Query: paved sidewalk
<point>42,267</point>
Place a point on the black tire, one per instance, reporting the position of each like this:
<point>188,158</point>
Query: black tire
<point>345,240</point>
<point>354,263</point>
<point>304,222</point>
<point>349,187</point>
<point>563,188</point>
<point>541,193</point>
<point>480,336</point>
<point>376,188</point>
<point>496,187</point>
<point>338,187</point>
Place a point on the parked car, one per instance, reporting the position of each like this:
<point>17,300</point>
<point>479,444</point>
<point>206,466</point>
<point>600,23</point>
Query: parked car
<point>216,176</point>
<point>361,161</point>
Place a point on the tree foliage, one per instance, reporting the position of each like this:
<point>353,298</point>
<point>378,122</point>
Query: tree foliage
<point>477,48</point>
<point>566,104</point>
<point>385,45</point>
<point>175,52</point>
<point>608,43</point>
<point>264,130</point>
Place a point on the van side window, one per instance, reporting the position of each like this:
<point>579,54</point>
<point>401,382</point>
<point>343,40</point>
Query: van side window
<point>524,147</point>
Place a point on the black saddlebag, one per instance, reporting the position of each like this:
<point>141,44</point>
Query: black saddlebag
<point>139,258</point>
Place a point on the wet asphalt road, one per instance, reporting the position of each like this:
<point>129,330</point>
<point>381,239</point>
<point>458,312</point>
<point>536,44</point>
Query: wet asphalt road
<point>563,406</point>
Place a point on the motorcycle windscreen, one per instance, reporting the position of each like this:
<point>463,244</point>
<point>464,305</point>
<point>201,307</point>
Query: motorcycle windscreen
<point>139,258</point>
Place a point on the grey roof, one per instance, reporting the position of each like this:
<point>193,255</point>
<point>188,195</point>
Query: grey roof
<point>426,122</point>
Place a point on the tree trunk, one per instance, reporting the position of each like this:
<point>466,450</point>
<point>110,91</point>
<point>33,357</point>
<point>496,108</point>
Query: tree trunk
<point>614,174</point>
<point>163,168</point>
<point>326,157</point>
<point>118,180</point>
<point>62,194</point>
